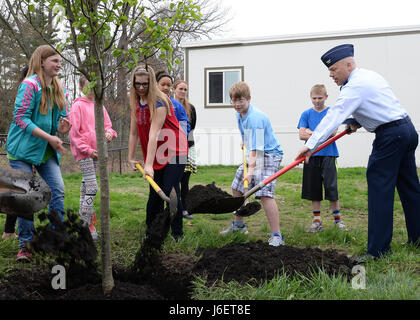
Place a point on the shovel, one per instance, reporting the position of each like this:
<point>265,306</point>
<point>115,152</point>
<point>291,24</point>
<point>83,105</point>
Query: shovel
<point>22,193</point>
<point>231,204</point>
<point>245,170</point>
<point>172,200</point>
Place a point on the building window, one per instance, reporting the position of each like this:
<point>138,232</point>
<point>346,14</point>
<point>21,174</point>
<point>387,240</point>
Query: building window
<point>217,84</point>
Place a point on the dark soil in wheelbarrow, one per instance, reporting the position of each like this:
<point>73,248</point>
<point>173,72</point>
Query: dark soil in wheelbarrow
<point>158,276</point>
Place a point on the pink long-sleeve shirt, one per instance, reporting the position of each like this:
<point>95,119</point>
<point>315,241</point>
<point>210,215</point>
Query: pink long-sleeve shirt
<point>82,133</point>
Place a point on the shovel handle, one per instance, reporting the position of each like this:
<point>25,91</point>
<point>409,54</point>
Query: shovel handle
<point>245,168</point>
<point>148,178</point>
<point>294,164</point>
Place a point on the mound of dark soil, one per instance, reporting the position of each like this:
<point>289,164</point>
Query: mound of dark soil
<point>260,261</point>
<point>154,275</point>
<point>157,231</point>
<point>169,277</point>
<point>121,291</point>
<point>34,283</point>
<point>70,240</point>
<point>70,244</point>
<point>200,198</point>
<point>211,199</point>
<point>249,209</point>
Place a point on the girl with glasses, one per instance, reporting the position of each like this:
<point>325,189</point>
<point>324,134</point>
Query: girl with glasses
<point>163,143</point>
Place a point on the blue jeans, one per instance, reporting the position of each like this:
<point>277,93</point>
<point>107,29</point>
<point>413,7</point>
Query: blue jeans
<point>51,173</point>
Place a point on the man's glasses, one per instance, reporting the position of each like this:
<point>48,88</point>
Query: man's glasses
<point>141,84</point>
<point>238,101</point>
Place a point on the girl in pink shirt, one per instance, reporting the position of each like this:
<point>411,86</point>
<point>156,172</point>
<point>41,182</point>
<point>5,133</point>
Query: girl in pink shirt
<point>83,147</point>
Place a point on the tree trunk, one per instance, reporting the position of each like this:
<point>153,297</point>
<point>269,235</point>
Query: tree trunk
<point>122,94</point>
<point>107,279</point>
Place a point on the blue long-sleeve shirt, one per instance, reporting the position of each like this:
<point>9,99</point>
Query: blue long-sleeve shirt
<point>181,115</point>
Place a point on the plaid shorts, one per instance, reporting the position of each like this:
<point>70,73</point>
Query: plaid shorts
<point>266,167</point>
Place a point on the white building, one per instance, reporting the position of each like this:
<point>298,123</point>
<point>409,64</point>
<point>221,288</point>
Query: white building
<point>281,71</point>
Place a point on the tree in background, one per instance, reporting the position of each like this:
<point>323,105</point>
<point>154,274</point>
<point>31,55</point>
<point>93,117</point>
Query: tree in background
<point>95,30</point>
<point>19,40</point>
<point>22,40</point>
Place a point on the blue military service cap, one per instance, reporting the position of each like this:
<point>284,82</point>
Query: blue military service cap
<point>337,53</point>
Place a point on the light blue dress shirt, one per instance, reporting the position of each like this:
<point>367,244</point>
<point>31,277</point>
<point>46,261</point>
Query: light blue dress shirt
<point>368,97</point>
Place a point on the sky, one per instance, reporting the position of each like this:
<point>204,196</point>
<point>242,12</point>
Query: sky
<point>259,18</point>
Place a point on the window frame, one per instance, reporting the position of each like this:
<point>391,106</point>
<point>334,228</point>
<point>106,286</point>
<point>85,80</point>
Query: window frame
<point>206,84</point>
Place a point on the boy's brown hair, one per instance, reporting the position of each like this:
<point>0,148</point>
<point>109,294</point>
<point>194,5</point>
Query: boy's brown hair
<point>319,89</point>
<point>240,90</point>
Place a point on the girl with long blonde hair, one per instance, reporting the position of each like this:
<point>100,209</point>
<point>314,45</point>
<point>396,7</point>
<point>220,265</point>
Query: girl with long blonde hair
<point>162,141</point>
<point>40,110</point>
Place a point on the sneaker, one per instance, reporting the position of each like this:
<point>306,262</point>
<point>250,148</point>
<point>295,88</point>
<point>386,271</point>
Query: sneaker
<point>232,229</point>
<point>186,215</point>
<point>92,228</point>
<point>276,241</point>
<point>23,255</point>
<point>364,259</point>
<point>340,225</point>
<point>315,226</point>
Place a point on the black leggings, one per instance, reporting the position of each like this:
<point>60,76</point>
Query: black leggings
<point>10,224</point>
<point>185,188</point>
<point>166,178</point>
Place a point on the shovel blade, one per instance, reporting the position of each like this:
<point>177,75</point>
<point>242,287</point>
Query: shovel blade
<point>225,205</point>
<point>173,204</point>
<point>22,193</point>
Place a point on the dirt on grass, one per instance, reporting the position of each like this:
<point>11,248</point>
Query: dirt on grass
<point>154,275</point>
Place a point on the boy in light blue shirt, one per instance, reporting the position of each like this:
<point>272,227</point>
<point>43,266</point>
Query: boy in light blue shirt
<point>321,170</point>
<point>264,155</point>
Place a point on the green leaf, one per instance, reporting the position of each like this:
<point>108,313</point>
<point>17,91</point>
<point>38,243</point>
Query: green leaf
<point>117,52</point>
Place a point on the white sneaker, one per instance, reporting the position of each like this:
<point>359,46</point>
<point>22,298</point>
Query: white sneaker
<point>340,225</point>
<point>186,215</point>
<point>232,229</point>
<point>276,241</point>
<point>315,226</point>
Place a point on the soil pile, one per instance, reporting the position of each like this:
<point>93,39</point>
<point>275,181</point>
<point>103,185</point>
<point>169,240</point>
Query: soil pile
<point>249,209</point>
<point>200,198</point>
<point>260,261</point>
<point>154,275</point>
<point>70,244</point>
<point>211,199</point>
<point>170,276</point>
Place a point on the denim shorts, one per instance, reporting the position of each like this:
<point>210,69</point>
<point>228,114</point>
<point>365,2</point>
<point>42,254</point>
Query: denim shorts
<point>266,167</point>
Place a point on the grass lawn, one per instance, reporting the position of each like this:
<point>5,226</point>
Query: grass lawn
<point>396,276</point>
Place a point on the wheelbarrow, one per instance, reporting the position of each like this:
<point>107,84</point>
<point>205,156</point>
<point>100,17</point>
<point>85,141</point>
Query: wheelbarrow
<point>226,205</point>
<point>22,193</point>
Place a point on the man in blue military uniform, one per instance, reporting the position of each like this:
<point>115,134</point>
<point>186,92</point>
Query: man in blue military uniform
<point>368,97</point>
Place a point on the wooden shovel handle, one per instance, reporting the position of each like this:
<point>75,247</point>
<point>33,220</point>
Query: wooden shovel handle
<point>245,168</point>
